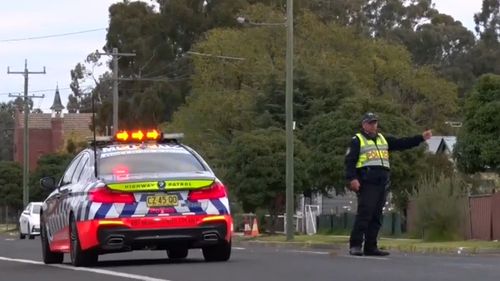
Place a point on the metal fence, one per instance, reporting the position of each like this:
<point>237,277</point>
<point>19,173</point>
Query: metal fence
<point>482,219</point>
<point>391,226</point>
<point>9,218</point>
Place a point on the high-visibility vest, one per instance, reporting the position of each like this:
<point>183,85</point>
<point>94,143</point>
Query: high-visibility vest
<point>373,153</point>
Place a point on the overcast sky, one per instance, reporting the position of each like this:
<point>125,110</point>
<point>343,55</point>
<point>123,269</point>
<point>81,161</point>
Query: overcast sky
<point>32,18</point>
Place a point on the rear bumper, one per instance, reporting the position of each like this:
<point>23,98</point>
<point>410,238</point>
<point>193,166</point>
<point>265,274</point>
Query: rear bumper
<point>116,239</point>
<point>193,231</point>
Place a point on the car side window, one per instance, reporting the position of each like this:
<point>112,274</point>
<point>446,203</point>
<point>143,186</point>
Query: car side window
<point>68,175</point>
<point>78,171</point>
<point>85,174</point>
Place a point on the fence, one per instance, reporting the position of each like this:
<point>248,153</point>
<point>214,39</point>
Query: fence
<point>482,220</point>
<point>9,218</point>
<point>392,223</point>
<point>485,217</point>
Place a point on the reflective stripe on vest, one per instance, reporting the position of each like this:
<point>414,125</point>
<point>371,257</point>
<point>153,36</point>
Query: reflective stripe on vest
<point>371,153</point>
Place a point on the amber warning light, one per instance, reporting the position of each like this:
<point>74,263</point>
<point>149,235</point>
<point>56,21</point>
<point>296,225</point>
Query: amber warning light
<point>137,135</point>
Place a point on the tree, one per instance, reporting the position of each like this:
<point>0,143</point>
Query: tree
<point>11,191</point>
<point>52,165</point>
<point>7,113</point>
<point>339,75</point>
<point>478,145</point>
<point>256,169</point>
<point>19,104</point>
<point>488,22</point>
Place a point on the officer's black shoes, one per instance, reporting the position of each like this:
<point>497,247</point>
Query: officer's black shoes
<point>355,251</point>
<point>375,252</point>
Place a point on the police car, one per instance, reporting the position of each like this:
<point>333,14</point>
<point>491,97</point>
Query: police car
<point>137,190</point>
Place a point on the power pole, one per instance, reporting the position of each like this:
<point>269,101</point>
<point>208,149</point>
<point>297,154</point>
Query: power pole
<point>25,97</point>
<point>290,210</point>
<point>116,56</point>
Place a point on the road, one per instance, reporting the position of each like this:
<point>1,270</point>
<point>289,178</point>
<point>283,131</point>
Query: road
<point>20,260</point>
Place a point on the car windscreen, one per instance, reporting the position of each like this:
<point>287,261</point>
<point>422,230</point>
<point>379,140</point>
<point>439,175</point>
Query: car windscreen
<point>138,164</point>
<point>36,209</point>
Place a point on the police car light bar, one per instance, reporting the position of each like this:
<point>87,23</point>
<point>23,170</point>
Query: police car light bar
<point>173,137</point>
<point>137,136</point>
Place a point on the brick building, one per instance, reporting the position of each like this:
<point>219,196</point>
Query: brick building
<point>49,131</point>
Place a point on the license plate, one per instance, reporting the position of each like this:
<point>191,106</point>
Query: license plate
<point>162,201</point>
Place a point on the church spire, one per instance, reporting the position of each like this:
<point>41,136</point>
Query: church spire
<point>57,106</point>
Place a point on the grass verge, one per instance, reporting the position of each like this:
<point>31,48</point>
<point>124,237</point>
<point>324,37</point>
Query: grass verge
<point>397,244</point>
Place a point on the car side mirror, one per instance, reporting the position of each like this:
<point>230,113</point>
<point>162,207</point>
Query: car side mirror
<point>26,212</point>
<point>48,183</point>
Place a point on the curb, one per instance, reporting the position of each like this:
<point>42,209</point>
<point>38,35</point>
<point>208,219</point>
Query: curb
<point>404,249</point>
<point>277,244</point>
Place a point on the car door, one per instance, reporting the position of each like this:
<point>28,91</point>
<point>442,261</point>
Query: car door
<point>55,208</point>
<point>24,220</point>
<point>70,192</point>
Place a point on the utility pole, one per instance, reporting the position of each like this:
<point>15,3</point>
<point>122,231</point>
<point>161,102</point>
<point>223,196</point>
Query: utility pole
<point>116,56</point>
<point>25,97</point>
<point>289,121</point>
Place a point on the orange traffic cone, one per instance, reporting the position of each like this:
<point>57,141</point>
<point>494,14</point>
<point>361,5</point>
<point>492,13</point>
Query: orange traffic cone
<point>247,230</point>
<point>255,229</point>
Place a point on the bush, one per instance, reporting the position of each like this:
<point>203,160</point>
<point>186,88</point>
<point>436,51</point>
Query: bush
<point>441,204</point>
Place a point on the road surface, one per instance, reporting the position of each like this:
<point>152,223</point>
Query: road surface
<point>21,260</point>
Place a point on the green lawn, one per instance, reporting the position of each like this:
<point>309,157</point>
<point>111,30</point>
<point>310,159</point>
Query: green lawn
<point>407,245</point>
<point>7,227</point>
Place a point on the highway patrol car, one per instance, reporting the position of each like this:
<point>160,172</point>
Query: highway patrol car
<point>137,190</point>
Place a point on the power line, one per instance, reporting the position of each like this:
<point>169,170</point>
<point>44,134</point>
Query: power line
<point>38,91</point>
<point>51,35</point>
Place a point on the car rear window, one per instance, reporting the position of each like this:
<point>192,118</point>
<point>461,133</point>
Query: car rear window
<point>36,209</point>
<point>148,163</point>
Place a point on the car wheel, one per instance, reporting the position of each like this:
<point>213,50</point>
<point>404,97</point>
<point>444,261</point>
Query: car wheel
<point>78,256</point>
<point>219,252</point>
<point>21,234</point>
<point>47,255</point>
<point>177,253</point>
<point>31,237</point>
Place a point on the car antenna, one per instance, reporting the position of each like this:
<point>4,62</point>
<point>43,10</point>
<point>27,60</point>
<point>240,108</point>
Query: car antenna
<point>94,129</point>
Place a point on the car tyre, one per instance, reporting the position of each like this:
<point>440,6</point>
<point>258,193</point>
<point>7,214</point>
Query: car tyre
<point>21,235</point>
<point>48,256</point>
<point>31,237</point>
<point>219,252</point>
<point>78,256</point>
<point>177,253</point>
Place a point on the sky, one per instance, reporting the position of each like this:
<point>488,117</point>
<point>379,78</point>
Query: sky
<point>34,18</point>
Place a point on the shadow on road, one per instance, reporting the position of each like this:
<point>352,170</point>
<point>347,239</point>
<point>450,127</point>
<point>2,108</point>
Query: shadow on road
<point>142,262</point>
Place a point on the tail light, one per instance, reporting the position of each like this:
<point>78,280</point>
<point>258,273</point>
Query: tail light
<point>106,196</point>
<point>216,190</point>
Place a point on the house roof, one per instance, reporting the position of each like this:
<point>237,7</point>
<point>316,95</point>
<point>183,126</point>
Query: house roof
<point>450,142</point>
<point>438,143</point>
<point>73,123</point>
<point>433,143</point>
<point>35,120</point>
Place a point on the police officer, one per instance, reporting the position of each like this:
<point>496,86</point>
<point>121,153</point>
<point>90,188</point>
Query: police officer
<point>368,173</point>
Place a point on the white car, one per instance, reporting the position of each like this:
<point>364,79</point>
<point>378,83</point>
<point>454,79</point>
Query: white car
<point>29,222</point>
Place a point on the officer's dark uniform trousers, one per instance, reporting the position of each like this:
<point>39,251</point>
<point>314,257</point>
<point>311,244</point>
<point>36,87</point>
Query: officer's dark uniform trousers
<point>371,200</point>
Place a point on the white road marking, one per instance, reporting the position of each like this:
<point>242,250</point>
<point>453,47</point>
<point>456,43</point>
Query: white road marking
<point>364,257</point>
<point>10,239</point>
<point>238,248</point>
<point>93,270</point>
<point>309,252</point>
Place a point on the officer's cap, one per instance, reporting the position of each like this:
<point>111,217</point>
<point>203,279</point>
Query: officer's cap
<point>369,117</point>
